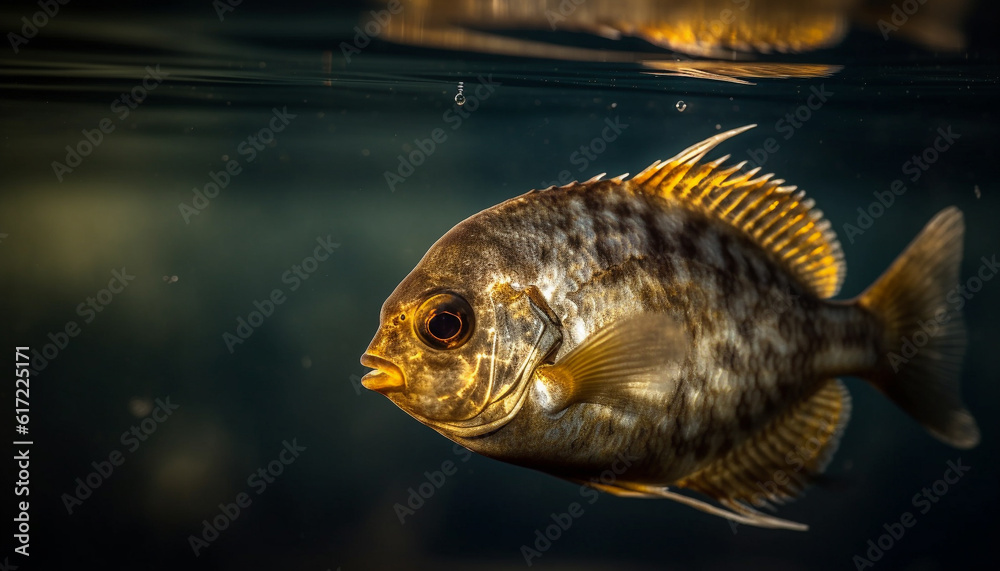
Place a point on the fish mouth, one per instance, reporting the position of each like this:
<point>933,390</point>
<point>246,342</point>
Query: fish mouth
<point>385,378</point>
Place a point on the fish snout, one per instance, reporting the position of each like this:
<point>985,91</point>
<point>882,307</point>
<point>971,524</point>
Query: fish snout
<point>385,378</point>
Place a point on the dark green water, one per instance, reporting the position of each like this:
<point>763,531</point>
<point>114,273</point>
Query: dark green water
<point>306,215</point>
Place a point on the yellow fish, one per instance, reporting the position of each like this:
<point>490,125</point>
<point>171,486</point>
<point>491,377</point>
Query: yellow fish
<point>680,318</point>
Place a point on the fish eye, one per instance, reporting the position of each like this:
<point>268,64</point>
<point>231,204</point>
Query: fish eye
<point>444,321</point>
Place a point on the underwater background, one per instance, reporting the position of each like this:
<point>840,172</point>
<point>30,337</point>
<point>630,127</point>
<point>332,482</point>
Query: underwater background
<point>204,205</point>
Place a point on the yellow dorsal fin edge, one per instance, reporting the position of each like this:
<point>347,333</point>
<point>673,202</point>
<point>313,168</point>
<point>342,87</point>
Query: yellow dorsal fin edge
<point>776,217</point>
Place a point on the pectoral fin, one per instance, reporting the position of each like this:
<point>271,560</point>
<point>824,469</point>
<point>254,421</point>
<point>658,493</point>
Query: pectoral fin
<point>631,354</point>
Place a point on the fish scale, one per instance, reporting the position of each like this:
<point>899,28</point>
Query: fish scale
<point>676,279</point>
<point>659,289</point>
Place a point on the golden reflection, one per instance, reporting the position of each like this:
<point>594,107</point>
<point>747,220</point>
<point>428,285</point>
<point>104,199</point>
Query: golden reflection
<point>729,31</point>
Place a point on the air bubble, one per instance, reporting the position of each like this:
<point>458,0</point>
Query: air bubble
<point>681,106</point>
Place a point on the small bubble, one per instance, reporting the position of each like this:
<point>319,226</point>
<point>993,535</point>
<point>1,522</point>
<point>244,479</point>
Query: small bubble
<point>460,99</point>
<point>681,106</point>
<point>977,191</point>
<point>140,407</point>
<point>170,279</point>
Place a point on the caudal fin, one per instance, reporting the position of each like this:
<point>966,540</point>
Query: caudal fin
<point>923,337</point>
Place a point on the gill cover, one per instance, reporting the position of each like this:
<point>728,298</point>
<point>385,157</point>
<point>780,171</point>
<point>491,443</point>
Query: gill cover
<point>525,332</point>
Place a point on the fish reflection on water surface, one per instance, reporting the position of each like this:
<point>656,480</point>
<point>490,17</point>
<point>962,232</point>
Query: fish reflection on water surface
<point>729,32</point>
<point>680,318</point>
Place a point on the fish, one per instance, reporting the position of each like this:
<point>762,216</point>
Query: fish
<point>676,325</point>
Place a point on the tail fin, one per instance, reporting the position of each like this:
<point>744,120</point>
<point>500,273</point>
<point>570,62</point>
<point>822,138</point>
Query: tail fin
<point>924,338</point>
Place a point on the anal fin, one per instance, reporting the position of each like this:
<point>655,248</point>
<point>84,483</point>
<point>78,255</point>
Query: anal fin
<point>782,459</point>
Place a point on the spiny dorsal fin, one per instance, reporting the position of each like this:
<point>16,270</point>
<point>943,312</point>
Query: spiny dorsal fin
<point>776,217</point>
<point>593,180</point>
<point>780,461</point>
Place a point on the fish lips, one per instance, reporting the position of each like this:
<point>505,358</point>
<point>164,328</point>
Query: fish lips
<point>384,378</point>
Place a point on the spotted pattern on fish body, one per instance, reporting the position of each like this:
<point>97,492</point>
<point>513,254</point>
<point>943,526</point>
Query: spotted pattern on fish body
<point>679,318</point>
<point>633,256</point>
